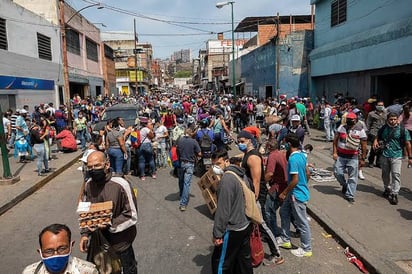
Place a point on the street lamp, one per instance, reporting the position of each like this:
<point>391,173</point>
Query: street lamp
<point>64,53</point>
<point>219,6</point>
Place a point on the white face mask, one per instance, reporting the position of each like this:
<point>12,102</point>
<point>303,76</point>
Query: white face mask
<point>217,170</point>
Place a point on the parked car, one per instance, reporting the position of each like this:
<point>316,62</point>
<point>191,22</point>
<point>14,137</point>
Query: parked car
<point>128,112</point>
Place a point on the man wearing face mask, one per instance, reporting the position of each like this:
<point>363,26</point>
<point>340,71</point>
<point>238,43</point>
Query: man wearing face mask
<point>375,120</point>
<point>391,161</point>
<point>55,252</point>
<point>254,170</point>
<point>346,144</point>
<point>103,187</point>
<point>231,229</point>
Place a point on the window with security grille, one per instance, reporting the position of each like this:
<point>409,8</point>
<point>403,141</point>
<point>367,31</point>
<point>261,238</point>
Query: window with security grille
<point>338,12</point>
<point>91,50</point>
<point>108,52</point>
<point>44,47</point>
<point>73,41</point>
<point>3,34</point>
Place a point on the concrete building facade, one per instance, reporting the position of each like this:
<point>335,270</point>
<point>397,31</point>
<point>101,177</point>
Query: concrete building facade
<point>362,48</point>
<point>30,66</point>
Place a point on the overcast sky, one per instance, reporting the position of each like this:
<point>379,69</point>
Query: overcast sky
<point>171,25</point>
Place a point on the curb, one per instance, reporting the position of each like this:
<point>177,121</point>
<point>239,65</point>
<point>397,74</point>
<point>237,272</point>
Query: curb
<point>372,262</point>
<point>37,186</point>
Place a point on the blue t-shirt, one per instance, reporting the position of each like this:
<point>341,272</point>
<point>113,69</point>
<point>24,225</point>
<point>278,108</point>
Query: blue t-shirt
<point>297,165</point>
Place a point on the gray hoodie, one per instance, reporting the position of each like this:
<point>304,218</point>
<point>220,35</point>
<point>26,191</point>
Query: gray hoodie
<point>230,212</point>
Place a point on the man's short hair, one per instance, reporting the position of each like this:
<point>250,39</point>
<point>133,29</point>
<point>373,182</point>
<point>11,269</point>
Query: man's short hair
<point>221,153</point>
<point>272,143</point>
<point>55,229</point>
<point>392,114</point>
<point>293,139</point>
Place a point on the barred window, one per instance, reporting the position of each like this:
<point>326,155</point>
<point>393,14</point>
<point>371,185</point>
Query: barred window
<point>44,47</point>
<point>91,50</point>
<point>73,41</point>
<point>108,52</point>
<point>338,12</point>
<point>3,34</point>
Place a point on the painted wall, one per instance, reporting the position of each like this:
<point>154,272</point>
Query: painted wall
<point>373,33</point>
<point>21,59</point>
<point>259,66</point>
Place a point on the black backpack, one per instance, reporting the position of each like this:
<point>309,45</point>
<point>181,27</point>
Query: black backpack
<point>205,141</point>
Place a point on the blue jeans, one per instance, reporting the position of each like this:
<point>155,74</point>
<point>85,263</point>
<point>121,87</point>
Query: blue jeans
<point>271,206</point>
<point>391,167</point>
<point>185,179</point>
<point>41,157</point>
<point>290,207</point>
<point>127,164</point>
<point>351,165</point>
<point>116,159</point>
<point>146,156</point>
<point>81,136</point>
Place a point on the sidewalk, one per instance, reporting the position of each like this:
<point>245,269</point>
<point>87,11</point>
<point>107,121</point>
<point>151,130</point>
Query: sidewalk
<point>377,232</point>
<point>29,182</point>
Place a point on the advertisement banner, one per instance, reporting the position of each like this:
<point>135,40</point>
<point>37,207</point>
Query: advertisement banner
<point>12,82</point>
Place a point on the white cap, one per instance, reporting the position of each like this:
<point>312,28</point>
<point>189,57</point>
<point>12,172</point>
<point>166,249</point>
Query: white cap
<point>283,103</point>
<point>295,117</point>
<point>23,111</point>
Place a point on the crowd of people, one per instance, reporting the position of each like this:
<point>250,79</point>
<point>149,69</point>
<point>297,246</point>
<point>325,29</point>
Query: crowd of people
<point>178,130</point>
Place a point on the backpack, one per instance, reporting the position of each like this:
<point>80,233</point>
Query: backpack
<point>252,210</point>
<point>177,132</point>
<point>135,138</point>
<point>205,141</point>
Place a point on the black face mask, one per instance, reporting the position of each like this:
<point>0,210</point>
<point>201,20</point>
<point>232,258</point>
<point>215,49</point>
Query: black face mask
<point>98,175</point>
<point>350,122</point>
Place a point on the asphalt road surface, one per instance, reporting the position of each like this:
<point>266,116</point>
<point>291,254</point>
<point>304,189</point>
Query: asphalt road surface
<point>168,241</point>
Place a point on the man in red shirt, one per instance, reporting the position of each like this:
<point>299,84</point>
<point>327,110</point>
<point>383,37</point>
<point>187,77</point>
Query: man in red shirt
<point>66,141</point>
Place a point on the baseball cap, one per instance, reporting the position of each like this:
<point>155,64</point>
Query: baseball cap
<point>23,111</point>
<point>295,117</point>
<point>283,103</point>
<point>351,115</point>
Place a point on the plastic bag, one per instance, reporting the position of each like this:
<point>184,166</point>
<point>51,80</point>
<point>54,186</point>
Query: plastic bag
<point>257,252</point>
<point>102,255</point>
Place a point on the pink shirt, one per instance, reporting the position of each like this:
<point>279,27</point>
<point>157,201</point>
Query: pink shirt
<point>406,123</point>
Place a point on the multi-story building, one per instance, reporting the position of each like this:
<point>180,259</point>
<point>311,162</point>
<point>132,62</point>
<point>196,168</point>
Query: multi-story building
<point>30,66</point>
<point>84,53</point>
<point>362,48</point>
<point>133,63</point>
<point>182,56</point>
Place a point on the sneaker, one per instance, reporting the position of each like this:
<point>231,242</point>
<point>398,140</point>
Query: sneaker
<point>386,193</point>
<point>283,243</point>
<point>393,199</point>
<point>154,176</point>
<point>143,178</point>
<point>350,200</point>
<point>360,175</point>
<point>182,208</point>
<point>301,253</point>
<point>273,260</point>
<point>42,174</point>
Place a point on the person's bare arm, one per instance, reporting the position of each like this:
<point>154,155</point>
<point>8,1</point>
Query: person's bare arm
<point>255,164</point>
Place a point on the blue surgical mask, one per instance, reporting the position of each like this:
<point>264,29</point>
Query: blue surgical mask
<point>56,264</point>
<point>242,147</point>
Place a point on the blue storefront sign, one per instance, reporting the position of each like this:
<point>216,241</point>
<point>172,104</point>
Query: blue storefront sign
<point>12,82</point>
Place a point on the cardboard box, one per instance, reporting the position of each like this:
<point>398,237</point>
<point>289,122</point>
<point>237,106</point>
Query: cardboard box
<point>93,214</point>
<point>209,181</point>
<point>210,200</point>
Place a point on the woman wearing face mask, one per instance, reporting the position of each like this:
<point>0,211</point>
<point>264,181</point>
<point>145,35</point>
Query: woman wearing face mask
<point>80,126</point>
<point>116,147</point>
<point>254,170</point>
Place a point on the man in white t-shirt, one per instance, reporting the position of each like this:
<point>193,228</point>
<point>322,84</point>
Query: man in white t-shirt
<point>161,133</point>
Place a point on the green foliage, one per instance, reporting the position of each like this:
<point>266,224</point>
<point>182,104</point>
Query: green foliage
<point>183,74</point>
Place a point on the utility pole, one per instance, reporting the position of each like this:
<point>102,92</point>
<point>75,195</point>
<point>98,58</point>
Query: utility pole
<point>277,57</point>
<point>137,91</point>
<point>65,65</point>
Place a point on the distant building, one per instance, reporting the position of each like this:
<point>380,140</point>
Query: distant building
<point>133,75</point>
<point>182,56</point>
